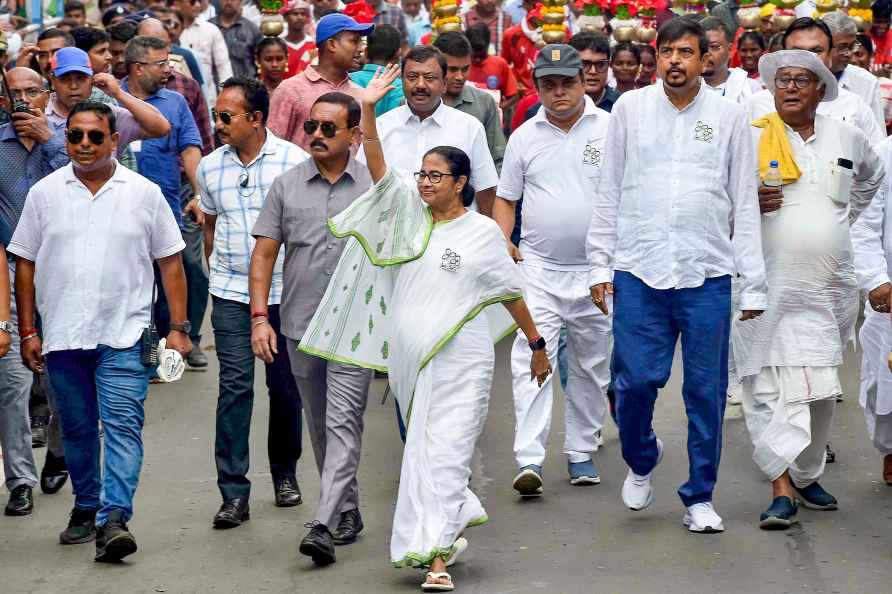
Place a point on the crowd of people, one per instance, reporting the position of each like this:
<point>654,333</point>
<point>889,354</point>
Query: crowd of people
<point>366,193</point>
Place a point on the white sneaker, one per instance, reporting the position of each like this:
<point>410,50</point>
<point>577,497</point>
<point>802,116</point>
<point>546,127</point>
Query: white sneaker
<point>701,517</point>
<point>735,394</point>
<point>637,492</point>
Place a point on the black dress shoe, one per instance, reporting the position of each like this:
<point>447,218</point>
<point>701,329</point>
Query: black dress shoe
<point>318,544</point>
<point>232,513</point>
<point>349,528</point>
<point>21,502</point>
<point>113,540</point>
<point>38,431</point>
<point>81,527</point>
<point>54,474</point>
<point>287,492</point>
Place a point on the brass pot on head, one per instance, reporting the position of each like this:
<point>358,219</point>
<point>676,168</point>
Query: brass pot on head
<point>624,34</point>
<point>272,27</point>
<point>449,27</point>
<point>782,21</point>
<point>645,34</point>
<point>554,36</point>
<point>749,21</point>
<point>446,11</point>
<point>552,18</point>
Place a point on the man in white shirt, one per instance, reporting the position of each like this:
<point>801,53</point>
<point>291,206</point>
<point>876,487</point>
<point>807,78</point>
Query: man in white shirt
<point>872,241</point>
<point>84,248</point>
<point>207,43</point>
<point>554,161</point>
<point>814,36</point>
<point>424,122</point>
<point>852,78</point>
<point>661,241</point>
<point>789,358</point>
<point>731,83</point>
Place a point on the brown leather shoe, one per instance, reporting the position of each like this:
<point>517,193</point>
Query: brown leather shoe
<point>887,469</point>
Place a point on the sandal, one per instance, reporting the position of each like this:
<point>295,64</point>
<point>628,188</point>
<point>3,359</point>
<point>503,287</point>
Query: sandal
<point>460,546</point>
<point>429,586</point>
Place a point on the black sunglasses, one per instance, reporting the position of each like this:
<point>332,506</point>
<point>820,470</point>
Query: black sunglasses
<point>226,117</point>
<point>76,136</point>
<point>329,129</point>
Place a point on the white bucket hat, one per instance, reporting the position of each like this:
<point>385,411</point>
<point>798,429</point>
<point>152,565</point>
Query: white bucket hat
<point>769,64</point>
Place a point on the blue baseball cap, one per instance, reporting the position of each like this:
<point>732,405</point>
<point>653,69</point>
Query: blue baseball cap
<point>70,59</point>
<point>334,23</point>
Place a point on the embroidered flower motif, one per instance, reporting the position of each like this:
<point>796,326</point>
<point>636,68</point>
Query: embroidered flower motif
<point>371,324</point>
<point>354,344</point>
<point>591,155</point>
<point>385,350</point>
<point>383,306</point>
<point>368,294</point>
<point>703,132</point>
<point>451,261</point>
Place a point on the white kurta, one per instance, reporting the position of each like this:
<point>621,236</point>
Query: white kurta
<point>405,298</point>
<point>738,87</point>
<point>867,86</point>
<point>812,292</point>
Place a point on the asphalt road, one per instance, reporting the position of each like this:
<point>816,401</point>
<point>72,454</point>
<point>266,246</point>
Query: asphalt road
<point>574,540</point>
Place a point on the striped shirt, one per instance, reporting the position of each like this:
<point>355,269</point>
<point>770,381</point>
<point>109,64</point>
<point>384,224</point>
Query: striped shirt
<point>235,193</point>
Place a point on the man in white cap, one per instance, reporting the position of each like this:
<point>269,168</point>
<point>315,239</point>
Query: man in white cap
<point>789,357</point>
<point>814,36</point>
<point>872,240</point>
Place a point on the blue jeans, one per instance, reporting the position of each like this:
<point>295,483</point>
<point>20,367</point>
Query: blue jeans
<point>646,326</point>
<point>110,384</point>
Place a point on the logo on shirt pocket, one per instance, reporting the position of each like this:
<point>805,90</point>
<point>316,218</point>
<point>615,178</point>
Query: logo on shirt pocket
<point>451,261</point>
<point>703,132</point>
<point>591,155</point>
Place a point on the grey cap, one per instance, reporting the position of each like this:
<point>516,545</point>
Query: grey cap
<point>557,59</point>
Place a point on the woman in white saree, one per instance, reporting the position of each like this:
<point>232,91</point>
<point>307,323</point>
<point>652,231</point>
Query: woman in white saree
<point>405,298</point>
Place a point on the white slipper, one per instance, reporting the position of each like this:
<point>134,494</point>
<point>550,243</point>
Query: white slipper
<point>434,587</point>
<point>460,546</point>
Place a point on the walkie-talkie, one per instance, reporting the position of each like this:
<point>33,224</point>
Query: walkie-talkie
<point>148,342</point>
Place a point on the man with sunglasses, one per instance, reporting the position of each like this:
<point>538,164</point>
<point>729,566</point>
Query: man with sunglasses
<point>789,358</point>
<point>337,41</point>
<point>85,246</point>
<point>30,149</point>
<point>235,181</point>
<point>852,78</point>
<point>333,394</point>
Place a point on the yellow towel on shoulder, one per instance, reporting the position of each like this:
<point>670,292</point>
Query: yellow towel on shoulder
<point>775,146</point>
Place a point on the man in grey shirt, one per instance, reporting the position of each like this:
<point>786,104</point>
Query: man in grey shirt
<point>295,212</point>
<point>241,36</point>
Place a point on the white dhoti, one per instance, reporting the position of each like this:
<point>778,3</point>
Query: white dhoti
<point>449,409</point>
<point>559,298</point>
<point>876,379</point>
<point>789,412</point>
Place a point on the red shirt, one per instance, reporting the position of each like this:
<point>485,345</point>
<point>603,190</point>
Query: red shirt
<point>882,48</point>
<point>299,58</point>
<point>520,111</point>
<point>494,73</point>
<point>498,23</point>
<point>520,53</point>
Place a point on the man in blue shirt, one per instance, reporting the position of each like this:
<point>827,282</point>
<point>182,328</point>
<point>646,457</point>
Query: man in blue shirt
<point>30,149</point>
<point>158,159</point>
<point>383,48</point>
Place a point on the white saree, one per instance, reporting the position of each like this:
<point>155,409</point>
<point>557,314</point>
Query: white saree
<point>405,299</point>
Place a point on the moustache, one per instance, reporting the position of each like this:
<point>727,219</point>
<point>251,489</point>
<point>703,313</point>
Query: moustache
<point>676,70</point>
<point>318,144</point>
<point>421,94</point>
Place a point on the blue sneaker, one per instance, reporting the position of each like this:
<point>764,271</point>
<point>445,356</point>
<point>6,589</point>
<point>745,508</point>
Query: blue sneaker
<point>528,481</point>
<point>780,515</point>
<point>815,497</point>
<point>583,473</point>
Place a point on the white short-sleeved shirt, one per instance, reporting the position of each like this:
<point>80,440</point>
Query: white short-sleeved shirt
<point>405,139</point>
<point>847,107</point>
<point>93,256</point>
<point>556,174</point>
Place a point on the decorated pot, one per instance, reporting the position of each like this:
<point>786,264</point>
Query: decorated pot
<point>445,11</point>
<point>272,26</point>
<point>591,24</point>
<point>624,34</point>
<point>645,34</point>
<point>449,27</point>
<point>782,21</point>
<point>552,18</point>
<point>553,36</point>
<point>749,21</point>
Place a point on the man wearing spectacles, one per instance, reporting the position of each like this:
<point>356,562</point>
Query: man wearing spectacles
<point>333,394</point>
<point>85,246</point>
<point>851,77</point>
<point>732,83</point>
<point>30,149</point>
<point>789,358</point>
<point>235,182</point>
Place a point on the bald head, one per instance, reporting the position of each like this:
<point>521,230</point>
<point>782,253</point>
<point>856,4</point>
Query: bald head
<point>23,75</point>
<point>27,85</point>
<point>153,28</point>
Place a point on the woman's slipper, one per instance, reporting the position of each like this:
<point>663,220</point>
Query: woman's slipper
<point>460,546</point>
<point>431,585</point>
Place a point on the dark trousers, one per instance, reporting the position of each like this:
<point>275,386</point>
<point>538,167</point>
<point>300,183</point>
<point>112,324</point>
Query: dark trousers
<point>231,321</point>
<point>646,326</point>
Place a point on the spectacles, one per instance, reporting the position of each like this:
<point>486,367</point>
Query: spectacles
<point>76,136</point>
<point>801,82</point>
<point>158,63</point>
<point>32,93</point>
<point>845,48</point>
<point>435,177</point>
<point>329,129</point>
<point>226,117</point>
<point>598,65</point>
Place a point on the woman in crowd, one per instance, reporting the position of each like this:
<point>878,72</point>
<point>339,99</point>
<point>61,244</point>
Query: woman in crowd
<point>626,64</point>
<point>750,47</point>
<point>406,298</point>
<point>272,62</point>
<point>648,71</point>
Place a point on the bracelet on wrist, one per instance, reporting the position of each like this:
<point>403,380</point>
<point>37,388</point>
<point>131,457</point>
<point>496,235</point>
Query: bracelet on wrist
<point>28,337</point>
<point>259,322</point>
<point>26,331</point>
<point>259,314</point>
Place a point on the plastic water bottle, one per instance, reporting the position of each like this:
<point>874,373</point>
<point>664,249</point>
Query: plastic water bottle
<point>773,179</point>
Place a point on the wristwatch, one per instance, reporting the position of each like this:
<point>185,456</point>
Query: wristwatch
<point>185,327</point>
<point>6,326</point>
<point>538,344</point>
